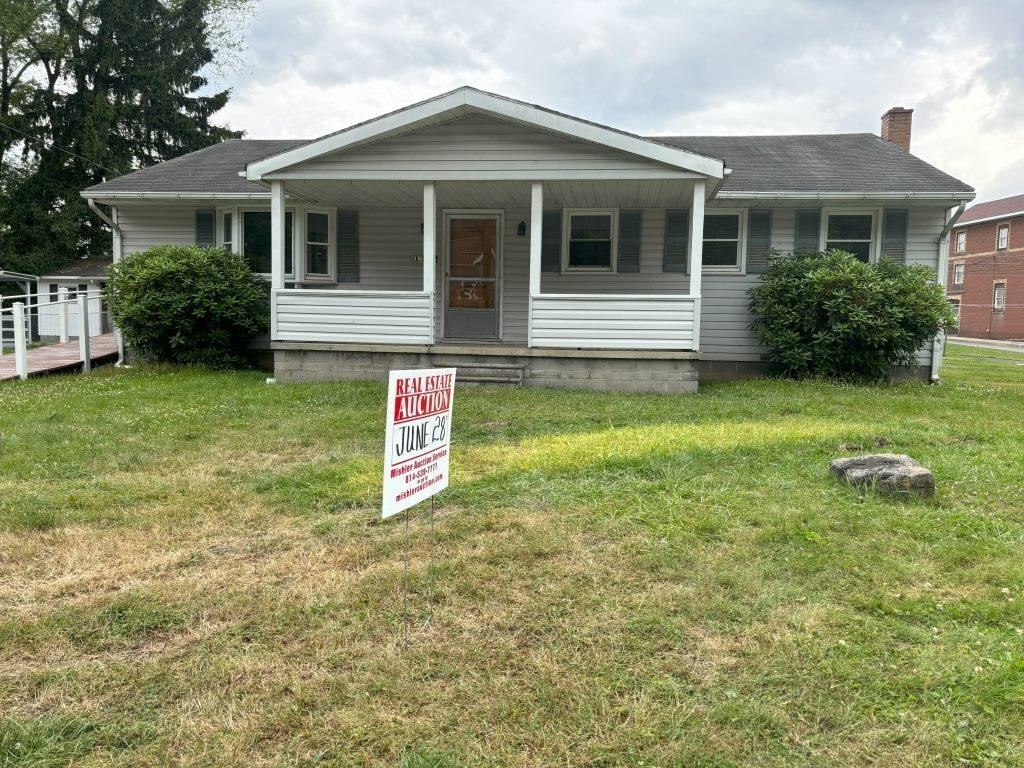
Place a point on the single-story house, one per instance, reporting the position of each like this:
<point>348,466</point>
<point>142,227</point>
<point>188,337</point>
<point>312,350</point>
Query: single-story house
<point>87,276</point>
<point>522,244</point>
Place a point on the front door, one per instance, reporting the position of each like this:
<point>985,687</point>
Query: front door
<point>472,278</point>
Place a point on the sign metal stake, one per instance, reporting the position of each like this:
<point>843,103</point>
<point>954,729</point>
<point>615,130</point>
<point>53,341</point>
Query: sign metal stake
<point>430,568</point>
<point>405,581</point>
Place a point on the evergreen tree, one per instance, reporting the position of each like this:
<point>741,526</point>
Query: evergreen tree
<point>89,90</point>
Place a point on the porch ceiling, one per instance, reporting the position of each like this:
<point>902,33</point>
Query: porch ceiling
<point>654,193</point>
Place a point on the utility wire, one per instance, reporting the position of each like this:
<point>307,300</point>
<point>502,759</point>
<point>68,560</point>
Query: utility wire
<point>60,149</point>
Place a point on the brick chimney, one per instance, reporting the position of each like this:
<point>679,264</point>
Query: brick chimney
<point>896,127</point>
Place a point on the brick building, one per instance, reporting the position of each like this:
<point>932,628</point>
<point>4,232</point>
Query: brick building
<point>985,284</point>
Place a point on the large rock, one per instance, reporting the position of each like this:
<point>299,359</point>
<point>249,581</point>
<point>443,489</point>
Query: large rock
<point>886,472</point>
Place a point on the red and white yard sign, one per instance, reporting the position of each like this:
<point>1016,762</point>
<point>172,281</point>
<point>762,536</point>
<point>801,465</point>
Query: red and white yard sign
<point>418,437</point>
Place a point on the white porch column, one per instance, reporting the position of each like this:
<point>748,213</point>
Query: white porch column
<point>277,236</point>
<point>20,340</point>
<point>536,234</point>
<point>429,246</point>
<point>696,255</point>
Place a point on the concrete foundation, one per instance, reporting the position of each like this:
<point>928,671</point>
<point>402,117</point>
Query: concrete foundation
<point>662,372</point>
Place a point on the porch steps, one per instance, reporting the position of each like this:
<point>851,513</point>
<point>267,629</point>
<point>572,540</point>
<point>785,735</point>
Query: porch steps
<point>482,373</point>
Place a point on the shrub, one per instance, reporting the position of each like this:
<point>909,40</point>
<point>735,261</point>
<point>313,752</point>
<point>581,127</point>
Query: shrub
<point>187,305</point>
<point>831,315</point>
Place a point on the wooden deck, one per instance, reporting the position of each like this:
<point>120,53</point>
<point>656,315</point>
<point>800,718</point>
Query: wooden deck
<point>55,358</point>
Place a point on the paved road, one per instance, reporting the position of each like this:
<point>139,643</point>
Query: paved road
<point>1002,346</point>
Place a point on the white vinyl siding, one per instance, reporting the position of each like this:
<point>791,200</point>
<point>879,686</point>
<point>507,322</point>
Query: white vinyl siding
<point>478,144</point>
<point>356,317</point>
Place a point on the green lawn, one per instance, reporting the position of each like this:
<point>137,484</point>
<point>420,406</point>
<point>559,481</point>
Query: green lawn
<point>192,574</point>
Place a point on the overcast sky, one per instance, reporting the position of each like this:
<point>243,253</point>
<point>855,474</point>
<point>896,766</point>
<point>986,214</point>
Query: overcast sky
<point>653,68</point>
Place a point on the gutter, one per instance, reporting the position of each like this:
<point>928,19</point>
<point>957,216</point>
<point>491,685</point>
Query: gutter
<point>811,195</point>
<point>173,195</point>
<point>939,344</point>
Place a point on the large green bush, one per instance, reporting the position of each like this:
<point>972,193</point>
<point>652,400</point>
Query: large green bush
<point>831,315</point>
<point>187,305</point>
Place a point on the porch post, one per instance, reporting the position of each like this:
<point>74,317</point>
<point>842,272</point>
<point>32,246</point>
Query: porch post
<point>536,233</point>
<point>276,250</point>
<point>429,246</point>
<point>696,255</point>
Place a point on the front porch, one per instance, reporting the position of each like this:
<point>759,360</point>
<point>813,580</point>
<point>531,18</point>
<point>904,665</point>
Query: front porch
<point>507,306</point>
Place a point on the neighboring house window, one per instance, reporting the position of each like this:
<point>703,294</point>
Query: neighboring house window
<point>723,241</point>
<point>961,242</point>
<point>1004,237</point>
<point>256,241</point>
<point>227,230</point>
<point>589,240</point>
<point>851,232</point>
<point>958,273</point>
<point>318,244</point>
<point>999,297</point>
<point>53,292</point>
<point>954,304</point>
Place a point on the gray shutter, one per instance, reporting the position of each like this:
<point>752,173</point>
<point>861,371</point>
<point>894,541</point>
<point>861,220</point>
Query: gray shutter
<point>551,242</point>
<point>808,229</point>
<point>894,234</point>
<point>348,246</point>
<point>759,240</point>
<point>677,240</point>
<point>630,223</point>
<point>206,219</point>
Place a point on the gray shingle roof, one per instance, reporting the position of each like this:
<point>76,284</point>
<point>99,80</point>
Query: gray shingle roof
<point>842,162</point>
<point>851,162</point>
<point>214,169</point>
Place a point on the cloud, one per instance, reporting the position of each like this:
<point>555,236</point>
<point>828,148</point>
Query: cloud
<point>795,66</point>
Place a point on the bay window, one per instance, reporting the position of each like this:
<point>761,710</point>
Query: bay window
<point>589,241</point>
<point>853,232</point>
<point>723,241</point>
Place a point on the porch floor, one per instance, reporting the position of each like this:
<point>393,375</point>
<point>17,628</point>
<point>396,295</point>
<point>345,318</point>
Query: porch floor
<point>55,358</point>
<point>486,348</point>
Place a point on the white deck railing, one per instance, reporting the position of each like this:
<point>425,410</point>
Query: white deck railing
<point>354,317</point>
<point>613,321</point>
<point>16,323</point>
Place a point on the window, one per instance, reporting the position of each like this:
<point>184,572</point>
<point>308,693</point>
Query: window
<point>1004,237</point>
<point>999,297</point>
<point>256,241</point>
<point>589,241</point>
<point>53,292</point>
<point>961,242</point>
<point>317,244</point>
<point>954,304</point>
<point>851,232</point>
<point>227,231</point>
<point>958,273</point>
<point>723,238</point>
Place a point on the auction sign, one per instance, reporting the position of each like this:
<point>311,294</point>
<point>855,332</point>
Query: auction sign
<point>418,437</point>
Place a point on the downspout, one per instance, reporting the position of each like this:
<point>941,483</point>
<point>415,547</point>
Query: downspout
<point>115,253</point>
<point>939,344</point>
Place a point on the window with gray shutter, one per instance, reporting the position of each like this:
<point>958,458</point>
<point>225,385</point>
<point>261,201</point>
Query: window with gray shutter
<point>551,242</point>
<point>808,229</point>
<point>894,234</point>
<point>206,219</point>
<point>348,246</point>
<point>630,224</point>
<point>759,240</point>
<point>677,240</point>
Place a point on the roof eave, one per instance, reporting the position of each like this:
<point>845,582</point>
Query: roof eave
<point>93,194</point>
<point>733,194</point>
<point>985,219</point>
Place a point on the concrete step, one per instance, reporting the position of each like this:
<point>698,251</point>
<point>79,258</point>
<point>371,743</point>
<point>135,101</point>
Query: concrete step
<point>482,373</point>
